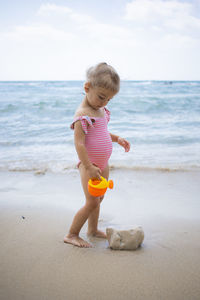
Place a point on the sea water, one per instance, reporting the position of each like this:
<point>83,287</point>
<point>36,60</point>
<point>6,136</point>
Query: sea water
<point>160,119</point>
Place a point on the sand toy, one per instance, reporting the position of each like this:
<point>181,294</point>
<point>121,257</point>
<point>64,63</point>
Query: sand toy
<point>98,188</point>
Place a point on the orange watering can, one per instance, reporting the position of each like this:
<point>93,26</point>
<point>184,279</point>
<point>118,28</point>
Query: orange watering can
<point>98,188</point>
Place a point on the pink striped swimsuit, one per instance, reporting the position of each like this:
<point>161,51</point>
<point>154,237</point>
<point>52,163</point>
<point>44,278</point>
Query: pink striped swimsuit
<point>98,141</point>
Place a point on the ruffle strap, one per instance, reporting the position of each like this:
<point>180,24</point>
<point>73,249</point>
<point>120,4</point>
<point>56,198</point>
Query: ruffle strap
<point>85,122</point>
<point>107,112</point>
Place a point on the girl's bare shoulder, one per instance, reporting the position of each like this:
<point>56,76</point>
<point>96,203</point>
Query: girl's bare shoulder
<point>81,112</point>
<point>88,111</point>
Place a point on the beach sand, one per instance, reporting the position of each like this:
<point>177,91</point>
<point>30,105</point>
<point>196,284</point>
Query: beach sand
<point>36,212</point>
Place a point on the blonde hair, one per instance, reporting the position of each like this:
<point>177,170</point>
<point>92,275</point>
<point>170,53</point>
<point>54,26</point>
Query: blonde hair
<point>105,76</point>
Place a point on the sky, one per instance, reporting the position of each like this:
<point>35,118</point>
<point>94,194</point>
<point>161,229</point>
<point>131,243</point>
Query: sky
<point>61,39</point>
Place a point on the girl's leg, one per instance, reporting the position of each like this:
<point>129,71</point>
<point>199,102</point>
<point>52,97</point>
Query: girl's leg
<point>82,215</point>
<point>94,215</point>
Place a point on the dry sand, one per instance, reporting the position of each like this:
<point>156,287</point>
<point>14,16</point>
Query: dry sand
<point>36,212</point>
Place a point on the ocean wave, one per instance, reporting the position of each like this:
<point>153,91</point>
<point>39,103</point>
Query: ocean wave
<point>60,168</point>
<point>9,108</point>
<point>12,83</point>
<point>158,168</point>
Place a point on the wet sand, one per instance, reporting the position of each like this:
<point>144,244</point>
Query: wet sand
<point>36,212</point>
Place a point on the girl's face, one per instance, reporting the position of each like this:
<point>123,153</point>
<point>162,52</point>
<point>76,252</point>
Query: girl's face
<point>98,97</point>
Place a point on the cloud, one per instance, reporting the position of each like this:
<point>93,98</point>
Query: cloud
<point>85,27</point>
<point>156,10</point>
<point>49,9</point>
<point>36,32</point>
<point>167,15</point>
<point>145,43</point>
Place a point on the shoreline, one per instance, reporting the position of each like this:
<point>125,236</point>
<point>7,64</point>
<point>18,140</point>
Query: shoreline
<point>113,167</point>
<point>36,212</point>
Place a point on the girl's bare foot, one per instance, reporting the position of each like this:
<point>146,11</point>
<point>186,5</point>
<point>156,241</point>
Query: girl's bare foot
<point>98,234</point>
<point>76,241</point>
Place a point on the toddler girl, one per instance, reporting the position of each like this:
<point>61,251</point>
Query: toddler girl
<point>93,144</point>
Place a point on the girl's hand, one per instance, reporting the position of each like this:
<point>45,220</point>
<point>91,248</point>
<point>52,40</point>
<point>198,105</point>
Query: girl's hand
<point>94,172</point>
<point>124,143</point>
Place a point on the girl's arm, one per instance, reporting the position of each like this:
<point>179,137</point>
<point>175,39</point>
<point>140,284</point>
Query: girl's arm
<point>122,142</point>
<point>79,141</point>
<point>114,137</point>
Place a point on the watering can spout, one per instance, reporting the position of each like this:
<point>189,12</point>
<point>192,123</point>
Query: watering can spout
<point>110,184</point>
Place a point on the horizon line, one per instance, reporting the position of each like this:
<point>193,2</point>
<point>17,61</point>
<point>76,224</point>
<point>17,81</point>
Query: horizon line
<point>58,80</point>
